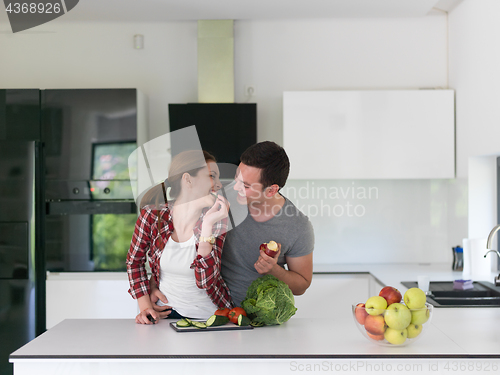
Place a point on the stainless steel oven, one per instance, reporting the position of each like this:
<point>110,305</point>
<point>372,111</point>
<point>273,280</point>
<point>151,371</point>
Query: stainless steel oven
<point>90,208</point>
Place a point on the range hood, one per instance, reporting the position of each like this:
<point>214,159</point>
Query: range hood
<point>224,127</point>
<point>216,61</point>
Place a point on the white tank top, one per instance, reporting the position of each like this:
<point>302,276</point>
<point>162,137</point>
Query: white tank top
<point>178,282</point>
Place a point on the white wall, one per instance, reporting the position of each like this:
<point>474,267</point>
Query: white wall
<point>383,221</point>
<point>411,221</point>
<point>273,56</point>
<point>334,54</point>
<point>482,195</point>
<point>61,55</point>
<point>475,75</point>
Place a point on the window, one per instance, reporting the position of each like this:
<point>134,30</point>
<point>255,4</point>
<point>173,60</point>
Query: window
<point>111,233</point>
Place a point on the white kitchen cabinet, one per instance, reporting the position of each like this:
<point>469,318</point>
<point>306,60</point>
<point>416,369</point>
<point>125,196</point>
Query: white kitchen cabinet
<point>372,134</point>
<point>89,295</point>
<point>330,292</point>
<point>103,295</point>
<point>375,285</point>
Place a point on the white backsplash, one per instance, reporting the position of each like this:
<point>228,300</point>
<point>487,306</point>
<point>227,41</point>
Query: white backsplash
<point>383,221</point>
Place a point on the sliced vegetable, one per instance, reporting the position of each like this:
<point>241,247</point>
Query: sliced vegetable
<point>235,313</point>
<point>183,323</point>
<point>256,324</point>
<point>222,312</point>
<point>243,320</point>
<point>201,325</point>
<point>217,320</point>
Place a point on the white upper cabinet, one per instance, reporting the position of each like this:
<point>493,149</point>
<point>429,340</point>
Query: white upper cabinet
<point>377,134</point>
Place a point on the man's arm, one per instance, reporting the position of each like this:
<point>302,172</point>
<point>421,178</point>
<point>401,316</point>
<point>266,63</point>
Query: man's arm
<point>298,276</point>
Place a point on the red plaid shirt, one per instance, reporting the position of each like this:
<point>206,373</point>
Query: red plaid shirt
<point>146,242</point>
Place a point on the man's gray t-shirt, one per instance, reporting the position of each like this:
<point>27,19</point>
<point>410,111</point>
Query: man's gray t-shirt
<point>289,227</point>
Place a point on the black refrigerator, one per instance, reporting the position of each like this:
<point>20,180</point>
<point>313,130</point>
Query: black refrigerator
<point>64,186</point>
<point>22,278</point>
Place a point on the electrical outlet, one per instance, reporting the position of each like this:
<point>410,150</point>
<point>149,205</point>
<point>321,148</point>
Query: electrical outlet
<point>249,90</point>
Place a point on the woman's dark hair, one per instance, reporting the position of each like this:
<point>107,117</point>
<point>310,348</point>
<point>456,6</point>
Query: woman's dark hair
<point>273,161</point>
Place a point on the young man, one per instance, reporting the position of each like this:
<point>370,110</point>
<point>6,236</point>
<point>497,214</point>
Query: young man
<point>262,172</point>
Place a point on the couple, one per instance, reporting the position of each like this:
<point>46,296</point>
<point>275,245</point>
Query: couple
<point>196,265</point>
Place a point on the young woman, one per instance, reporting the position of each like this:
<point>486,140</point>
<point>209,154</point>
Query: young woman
<point>183,239</point>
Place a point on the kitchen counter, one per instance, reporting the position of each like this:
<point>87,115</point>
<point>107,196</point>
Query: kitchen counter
<point>120,346</point>
<point>393,274</point>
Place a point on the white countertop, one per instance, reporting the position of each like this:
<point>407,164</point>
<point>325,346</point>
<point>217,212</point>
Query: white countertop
<point>475,330</point>
<point>452,333</point>
<point>393,274</point>
<point>465,332</point>
<point>301,338</point>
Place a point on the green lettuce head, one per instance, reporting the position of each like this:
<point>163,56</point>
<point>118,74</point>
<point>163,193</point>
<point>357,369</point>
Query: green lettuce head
<point>269,301</point>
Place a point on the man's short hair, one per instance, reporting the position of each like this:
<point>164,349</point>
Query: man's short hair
<point>272,159</point>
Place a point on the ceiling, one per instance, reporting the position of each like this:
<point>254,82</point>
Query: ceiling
<point>170,10</point>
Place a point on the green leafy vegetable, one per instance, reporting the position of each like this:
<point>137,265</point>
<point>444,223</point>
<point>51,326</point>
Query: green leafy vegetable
<point>269,301</point>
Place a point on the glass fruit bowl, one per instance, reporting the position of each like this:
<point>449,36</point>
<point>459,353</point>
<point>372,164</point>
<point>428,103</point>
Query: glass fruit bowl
<point>394,326</point>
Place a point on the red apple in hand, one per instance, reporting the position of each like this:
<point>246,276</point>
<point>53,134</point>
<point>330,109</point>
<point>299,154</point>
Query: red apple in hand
<point>360,313</point>
<point>391,295</point>
<point>270,248</point>
<point>375,324</point>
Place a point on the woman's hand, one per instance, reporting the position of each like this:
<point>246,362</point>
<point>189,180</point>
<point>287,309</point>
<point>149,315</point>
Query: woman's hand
<point>217,212</point>
<point>149,314</point>
<point>163,310</point>
<point>156,296</point>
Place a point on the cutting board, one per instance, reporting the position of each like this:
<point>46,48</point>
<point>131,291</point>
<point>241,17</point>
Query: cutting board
<point>226,327</point>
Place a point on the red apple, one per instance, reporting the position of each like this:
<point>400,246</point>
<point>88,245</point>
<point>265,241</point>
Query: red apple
<point>270,248</point>
<point>391,295</point>
<point>375,337</point>
<point>375,324</point>
<point>360,313</point>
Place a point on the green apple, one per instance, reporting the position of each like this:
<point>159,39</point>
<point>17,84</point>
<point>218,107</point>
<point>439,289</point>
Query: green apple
<point>375,305</point>
<point>397,316</point>
<point>420,316</point>
<point>396,336</point>
<point>414,330</point>
<point>414,298</point>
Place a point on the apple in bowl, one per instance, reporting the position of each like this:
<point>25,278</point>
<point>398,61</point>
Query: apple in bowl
<point>415,298</point>
<point>390,323</point>
<point>391,295</point>
<point>270,248</point>
<point>360,313</point>
<point>397,316</point>
<point>375,324</point>
<point>375,305</point>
